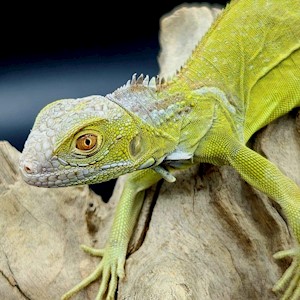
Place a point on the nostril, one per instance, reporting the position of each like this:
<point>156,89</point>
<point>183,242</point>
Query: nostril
<point>27,169</point>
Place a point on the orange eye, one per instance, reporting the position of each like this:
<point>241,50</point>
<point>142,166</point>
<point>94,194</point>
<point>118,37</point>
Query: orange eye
<point>86,142</point>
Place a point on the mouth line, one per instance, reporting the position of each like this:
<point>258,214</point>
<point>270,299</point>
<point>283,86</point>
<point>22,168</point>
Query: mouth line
<point>72,176</point>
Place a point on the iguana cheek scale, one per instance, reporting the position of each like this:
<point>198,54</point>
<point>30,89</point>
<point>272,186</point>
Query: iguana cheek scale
<point>243,74</point>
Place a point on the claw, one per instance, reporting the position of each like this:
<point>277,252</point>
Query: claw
<point>112,285</point>
<point>286,277</point>
<point>296,295</point>
<point>84,283</point>
<point>104,284</point>
<point>92,251</point>
<point>284,253</point>
<point>291,277</point>
<point>289,293</point>
<point>110,268</point>
<point>120,270</point>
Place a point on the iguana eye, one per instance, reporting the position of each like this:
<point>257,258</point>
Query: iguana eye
<point>86,142</point>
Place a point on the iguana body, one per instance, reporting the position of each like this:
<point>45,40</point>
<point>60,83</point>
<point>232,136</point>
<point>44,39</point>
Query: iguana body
<point>242,75</point>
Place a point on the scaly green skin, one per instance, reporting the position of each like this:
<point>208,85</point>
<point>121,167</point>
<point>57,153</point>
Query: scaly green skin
<point>242,75</point>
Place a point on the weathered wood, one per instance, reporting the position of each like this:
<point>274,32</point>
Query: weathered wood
<point>208,236</point>
<point>40,233</point>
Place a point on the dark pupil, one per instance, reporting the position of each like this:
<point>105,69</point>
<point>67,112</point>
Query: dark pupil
<point>88,142</point>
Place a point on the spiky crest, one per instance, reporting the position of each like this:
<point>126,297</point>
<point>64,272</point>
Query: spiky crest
<point>155,82</point>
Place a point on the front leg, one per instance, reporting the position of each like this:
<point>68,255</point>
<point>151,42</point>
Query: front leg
<point>113,255</point>
<point>266,177</point>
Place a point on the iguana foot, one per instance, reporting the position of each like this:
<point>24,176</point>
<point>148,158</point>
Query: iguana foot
<point>290,280</point>
<point>110,268</point>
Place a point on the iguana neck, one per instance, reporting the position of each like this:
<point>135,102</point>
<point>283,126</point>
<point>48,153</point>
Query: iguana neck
<point>152,104</point>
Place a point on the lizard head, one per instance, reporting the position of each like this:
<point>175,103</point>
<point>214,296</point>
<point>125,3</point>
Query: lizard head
<point>84,141</point>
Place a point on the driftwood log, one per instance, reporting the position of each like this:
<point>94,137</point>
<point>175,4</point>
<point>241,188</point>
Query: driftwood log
<point>209,235</point>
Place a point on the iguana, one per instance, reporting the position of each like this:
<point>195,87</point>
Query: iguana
<point>243,74</point>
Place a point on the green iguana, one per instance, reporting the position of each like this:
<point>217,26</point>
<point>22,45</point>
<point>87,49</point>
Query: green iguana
<point>243,74</point>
